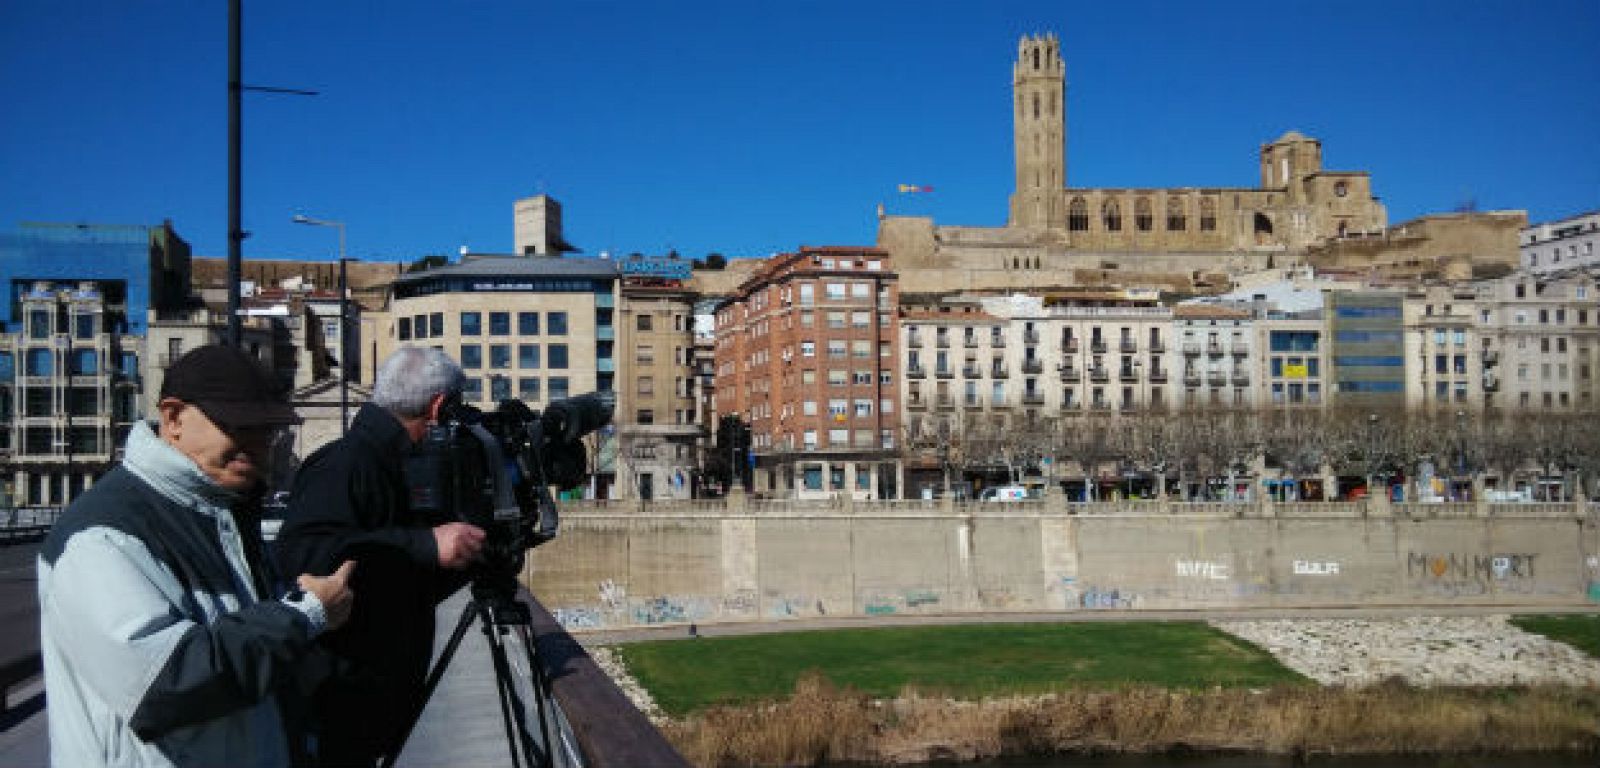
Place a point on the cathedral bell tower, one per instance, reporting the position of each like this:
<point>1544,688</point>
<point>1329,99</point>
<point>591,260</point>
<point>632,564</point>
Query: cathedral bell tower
<point>1039,84</point>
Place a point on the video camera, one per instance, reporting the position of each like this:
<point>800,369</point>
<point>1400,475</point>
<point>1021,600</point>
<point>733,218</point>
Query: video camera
<point>494,470</point>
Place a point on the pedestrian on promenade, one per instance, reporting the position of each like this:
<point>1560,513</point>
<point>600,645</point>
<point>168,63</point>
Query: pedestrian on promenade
<point>350,500</point>
<point>164,642</point>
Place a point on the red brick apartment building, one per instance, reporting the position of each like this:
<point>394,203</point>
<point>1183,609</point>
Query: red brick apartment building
<point>806,353</point>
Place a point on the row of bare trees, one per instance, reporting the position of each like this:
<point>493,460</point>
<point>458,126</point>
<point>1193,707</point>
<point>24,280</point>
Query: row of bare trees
<point>1198,445</point>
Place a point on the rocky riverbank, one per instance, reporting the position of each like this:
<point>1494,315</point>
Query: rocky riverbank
<point>1424,651</point>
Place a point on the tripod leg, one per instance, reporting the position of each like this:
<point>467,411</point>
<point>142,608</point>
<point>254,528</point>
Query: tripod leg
<point>541,686</point>
<point>511,708</point>
<point>434,676</point>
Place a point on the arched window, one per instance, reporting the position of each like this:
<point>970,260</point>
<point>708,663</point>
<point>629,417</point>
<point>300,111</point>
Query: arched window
<point>1078,215</point>
<point>1111,215</point>
<point>1208,214</point>
<point>1052,103</point>
<point>1036,58</point>
<point>1036,106</point>
<point>1143,215</point>
<point>1176,221</point>
<point>1263,224</point>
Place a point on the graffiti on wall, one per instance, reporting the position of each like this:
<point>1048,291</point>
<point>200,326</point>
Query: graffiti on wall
<point>1316,568</point>
<point>794,606</point>
<point>886,603</point>
<point>577,618</point>
<point>1463,572</point>
<point>1594,578</point>
<point>742,601</point>
<point>1097,597</point>
<point>1204,569</point>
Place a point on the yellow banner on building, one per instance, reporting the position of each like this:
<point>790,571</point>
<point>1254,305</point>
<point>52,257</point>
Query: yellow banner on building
<point>1294,371</point>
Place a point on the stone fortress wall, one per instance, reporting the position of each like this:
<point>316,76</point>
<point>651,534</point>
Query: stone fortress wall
<point>701,562</point>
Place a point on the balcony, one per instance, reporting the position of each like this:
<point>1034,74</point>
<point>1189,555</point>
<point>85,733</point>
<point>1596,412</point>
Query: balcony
<point>1491,382</point>
<point>970,342</point>
<point>917,402</point>
<point>942,341</point>
<point>944,372</point>
<point>972,371</point>
<point>1191,347</point>
<point>1214,348</point>
<point>1100,405</point>
<point>1069,346</point>
<point>1099,373</point>
<point>1158,345</point>
<point>999,372</point>
<point>998,342</point>
<point>1491,357</point>
<point>1216,378</point>
<point>1157,374</point>
<point>1072,405</point>
<point>972,401</point>
<point>1071,373</point>
<point>1128,346</point>
<point>1033,365</point>
<point>1240,349</point>
<point>1030,336</point>
<point>1033,398</point>
<point>1097,345</point>
<point>1128,374</point>
<point>914,340</point>
<point>1241,378</point>
<point>945,403</point>
<point>1191,378</point>
<point>916,372</point>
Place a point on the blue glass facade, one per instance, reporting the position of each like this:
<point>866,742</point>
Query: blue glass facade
<point>134,267</point>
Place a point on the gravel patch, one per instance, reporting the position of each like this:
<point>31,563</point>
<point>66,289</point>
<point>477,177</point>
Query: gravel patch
<point>1424,651</point>
<point>610,662</point>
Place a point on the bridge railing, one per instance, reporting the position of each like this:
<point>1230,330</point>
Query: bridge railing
<point>20,523</point>
<point>1059,506</point>
<point>600,721</point>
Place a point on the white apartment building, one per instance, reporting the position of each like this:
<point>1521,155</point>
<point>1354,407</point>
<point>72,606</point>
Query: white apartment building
<point>1561,244</point>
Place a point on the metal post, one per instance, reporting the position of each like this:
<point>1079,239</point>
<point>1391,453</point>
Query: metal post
<point>235,228</point>
<point>344,342</point>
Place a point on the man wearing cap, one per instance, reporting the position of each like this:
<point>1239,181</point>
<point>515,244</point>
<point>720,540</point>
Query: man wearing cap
<point>165,640</point>
<point>351,501</point>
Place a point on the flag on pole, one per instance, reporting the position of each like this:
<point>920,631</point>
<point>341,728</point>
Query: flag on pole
<point>913,188</point>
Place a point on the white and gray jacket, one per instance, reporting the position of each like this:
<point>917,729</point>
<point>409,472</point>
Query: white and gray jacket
<point>161,643</point>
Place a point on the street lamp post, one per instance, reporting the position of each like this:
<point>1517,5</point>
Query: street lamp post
<point>1372,453</point>
<point>344,313</point>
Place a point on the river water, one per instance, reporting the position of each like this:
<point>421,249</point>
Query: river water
<point>1562,760</point>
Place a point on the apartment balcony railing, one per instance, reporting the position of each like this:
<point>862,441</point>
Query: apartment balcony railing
<point>1240,349</point>
<point>1072,405</point>
<point>945,402</point>
<point>914,340</point>
<point>1128,346</point>
<point>1033,398</point>
<point>917,402</point>
<point>1071,373</point>
<point>1491,357</point>
<point>1158,345</point>
<point>942,342</point>
<point>1100,405</point>
<point>1191,378</point>
<point>972,401</point>
<point>944,372</point>
<point>1213,347</point>
<point>1100,374</point>
<point>1069,346</point>
<point>970,342</point>
<point>1191,347</point>
<point>1216,378</point>
<point>1157,374</point>
<point>916,372</point>
<point>972,371</point>
<point>1241,378</point>
<point>1030,336</point>
<point>997,341</point>
<point>1034,365</point>
<point>1128,374</point>
<point>1097,345</point>
<point>999,372</point>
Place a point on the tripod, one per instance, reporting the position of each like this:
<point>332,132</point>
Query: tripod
<point>494,602</point>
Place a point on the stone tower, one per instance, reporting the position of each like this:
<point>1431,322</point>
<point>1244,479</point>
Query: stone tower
<point>1039,83</point>
<point>537,227</point>
<point>1288,162</point>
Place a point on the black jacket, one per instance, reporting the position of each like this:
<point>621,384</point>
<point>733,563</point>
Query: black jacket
<point>350,501</point>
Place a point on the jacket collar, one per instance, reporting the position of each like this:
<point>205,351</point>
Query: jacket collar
<point>380,429</point>
<point>171,473</point>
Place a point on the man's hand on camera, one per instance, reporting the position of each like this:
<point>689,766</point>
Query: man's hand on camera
<point>334,591</point>
<point>459,544</point>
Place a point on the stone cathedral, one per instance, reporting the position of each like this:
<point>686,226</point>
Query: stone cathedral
<point>1058,235</point>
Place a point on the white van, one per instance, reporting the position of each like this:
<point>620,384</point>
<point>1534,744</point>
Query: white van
<point>1004,493</point>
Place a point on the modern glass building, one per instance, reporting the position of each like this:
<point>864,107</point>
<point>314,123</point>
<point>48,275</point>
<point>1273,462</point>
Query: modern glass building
<point>1368,348</point>
<point>71,341</point>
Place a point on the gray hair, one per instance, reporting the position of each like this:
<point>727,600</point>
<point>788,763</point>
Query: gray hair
<point>409,379</point>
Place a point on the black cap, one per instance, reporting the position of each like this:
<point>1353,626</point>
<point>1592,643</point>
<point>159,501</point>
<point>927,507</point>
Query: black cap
<point>230,387</point>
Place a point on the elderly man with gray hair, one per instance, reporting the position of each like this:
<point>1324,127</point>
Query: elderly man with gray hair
<point>351,502</point>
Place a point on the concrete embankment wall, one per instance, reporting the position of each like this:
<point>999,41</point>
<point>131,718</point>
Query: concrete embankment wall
<point>619,566</point>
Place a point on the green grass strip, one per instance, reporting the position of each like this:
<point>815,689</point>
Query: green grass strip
<point>967,661</point>
<point>1581,631</point>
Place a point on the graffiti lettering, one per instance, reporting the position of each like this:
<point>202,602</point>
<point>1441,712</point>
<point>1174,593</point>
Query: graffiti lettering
<point>1202,569</point>
<point>1093,597</point>
<point>1459,567</point>
<point>612,595</point>
<point>577,618</point>
<point>1314,568</point>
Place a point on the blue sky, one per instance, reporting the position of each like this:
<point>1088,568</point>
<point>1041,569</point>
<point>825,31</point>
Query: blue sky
<point>754,127</point>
